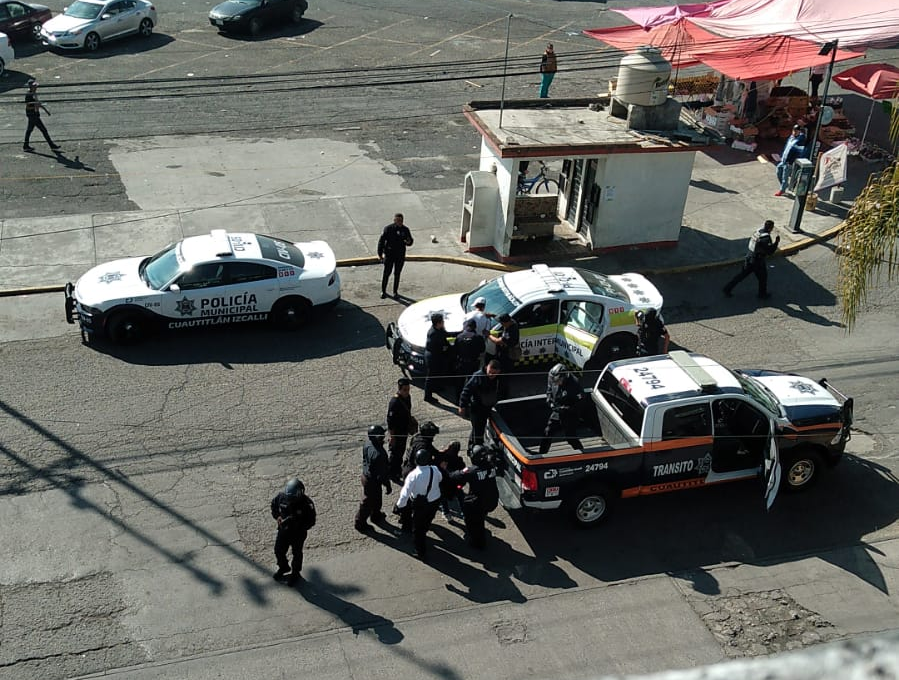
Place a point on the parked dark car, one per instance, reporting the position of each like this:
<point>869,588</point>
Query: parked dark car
<point>251,16</point>
<point>21,21</point>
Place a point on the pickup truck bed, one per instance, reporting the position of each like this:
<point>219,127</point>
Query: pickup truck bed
<point>527,418</point>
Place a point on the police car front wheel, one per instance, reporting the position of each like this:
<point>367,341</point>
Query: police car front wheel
<point>801,470</point>
<point>589,507</point>
<point>290,313</point>
<point>126,328</point>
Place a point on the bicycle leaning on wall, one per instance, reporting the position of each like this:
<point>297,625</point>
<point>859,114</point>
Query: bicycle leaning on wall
<point>538,184</point>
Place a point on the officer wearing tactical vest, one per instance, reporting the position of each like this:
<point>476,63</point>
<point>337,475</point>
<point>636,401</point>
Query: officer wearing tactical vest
<point>295,513</point>
<point>392,245</point>
<point>760,247</point>
<point>375,474</point>
<point>565,397</point>
<point>482,496</point>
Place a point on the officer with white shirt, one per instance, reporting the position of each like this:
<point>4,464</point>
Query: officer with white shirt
<point>421,494</point>
<point>481,318</point>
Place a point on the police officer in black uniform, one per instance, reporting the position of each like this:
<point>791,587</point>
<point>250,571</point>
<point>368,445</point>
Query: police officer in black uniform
<point>400,424</point>
<point>565,398</point>
<point>424,439</point>
<point>652,335</point>
<point>760,247</point>
<point>468,350</point>
<point>375,474</point>
<point>437,357</point>
<point>479,396</point>
<point>482,496</point>
<point>295,513</point>
<point>392,245</point>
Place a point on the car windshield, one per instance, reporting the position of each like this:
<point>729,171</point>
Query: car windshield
<point>499,299</point>
<point>603,285</point>
<point>161,268</point>
<point>83,10</point>
<point>758,392</point>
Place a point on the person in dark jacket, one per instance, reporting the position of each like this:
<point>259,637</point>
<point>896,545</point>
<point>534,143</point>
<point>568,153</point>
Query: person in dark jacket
<point>507,340</point>
<point>479,396</point>
<point>760,247</point>
<point>565,398</point>
<point>295,513</point>
<point>392,245</point>
<point>400,424</point>
<point>449,461</point>
<point>424,439</point>
<point>33,108</point>
<point>437,357</point>
<point>482,496</point>
<point>468,350</point>
<point>375,474</point>
<point>652,335</point>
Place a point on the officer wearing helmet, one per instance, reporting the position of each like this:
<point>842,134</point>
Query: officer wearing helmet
<point>424,439</point>
<point>482,496</point>
<point>420,495</point>
<point>295,513</point>
<point>565,397</point>
<point>375,474</point>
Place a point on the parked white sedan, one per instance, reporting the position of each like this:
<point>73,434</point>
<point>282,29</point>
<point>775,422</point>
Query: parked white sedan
<point>7,56</point>
<point>88,23</point>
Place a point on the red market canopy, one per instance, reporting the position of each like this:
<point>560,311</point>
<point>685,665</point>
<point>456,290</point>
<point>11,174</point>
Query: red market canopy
<point>878,81</point>
<point>650,17</point>
<point>684,44</point>
<point>855,24</point>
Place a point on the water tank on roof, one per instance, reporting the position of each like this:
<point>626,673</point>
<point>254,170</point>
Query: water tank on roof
<point>643,78</point>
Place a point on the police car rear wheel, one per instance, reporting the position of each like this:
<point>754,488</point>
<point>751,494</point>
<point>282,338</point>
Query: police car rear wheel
<point>126,328</point>
<point>801,470</point>
<point>290,314</point>
<point>590,507</point>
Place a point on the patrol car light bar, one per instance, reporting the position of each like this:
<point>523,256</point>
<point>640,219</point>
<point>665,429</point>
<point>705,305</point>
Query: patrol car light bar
<point>222,243</point>
<point>553,285</point>
<point>694,371</point>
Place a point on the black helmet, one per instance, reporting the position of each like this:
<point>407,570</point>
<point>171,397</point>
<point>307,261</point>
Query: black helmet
<point>429,429</point>
<point>294,488</point>
<point>376,432</point>
<point>558,372</point>
<point>422,457</point>
<point>479,455</point>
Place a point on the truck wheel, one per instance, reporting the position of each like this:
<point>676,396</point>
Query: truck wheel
<point>126,328</point>
<point>801,470</point>
<point>589,507</point>
<point>290,313</point>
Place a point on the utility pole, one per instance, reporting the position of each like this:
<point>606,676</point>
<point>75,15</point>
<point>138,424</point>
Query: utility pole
<point>502,95</point>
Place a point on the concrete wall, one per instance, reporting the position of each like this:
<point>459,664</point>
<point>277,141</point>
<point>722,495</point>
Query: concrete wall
<point>642,198</point>
<point>507,181</point>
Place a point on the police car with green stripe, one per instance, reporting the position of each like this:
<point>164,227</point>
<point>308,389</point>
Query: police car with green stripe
<point>207,280</point>
<point>567,314</point>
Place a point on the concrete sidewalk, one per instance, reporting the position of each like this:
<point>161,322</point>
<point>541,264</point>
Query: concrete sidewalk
<point>337,191</point>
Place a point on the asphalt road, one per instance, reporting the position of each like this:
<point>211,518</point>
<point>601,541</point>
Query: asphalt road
<point>134,484</point>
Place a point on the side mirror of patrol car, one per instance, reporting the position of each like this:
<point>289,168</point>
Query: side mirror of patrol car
<point>174,288</point>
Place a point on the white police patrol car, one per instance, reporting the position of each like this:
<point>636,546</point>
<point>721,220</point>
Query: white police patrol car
<point>568,314</point>
<point>217,278</point>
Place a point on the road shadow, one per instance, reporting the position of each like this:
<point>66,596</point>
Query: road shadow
<point>133,44</point>
<point>14,80</point>
<point>706,185</point>
<point>305,27</point>
<point>727,523</point>
<point>331,332</point>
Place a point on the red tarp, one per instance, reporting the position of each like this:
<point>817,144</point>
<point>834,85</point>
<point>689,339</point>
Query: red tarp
<point>857,24</point>
<point>684,44</point>
<point>650,17</point>
<point>878,81</point>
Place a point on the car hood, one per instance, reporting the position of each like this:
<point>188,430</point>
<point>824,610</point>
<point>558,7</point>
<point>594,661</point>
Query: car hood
<point>231,8</point>
<point>114,280</point>
<point>62,23</point>
<point>641,293</point>
<point>415,321</point>
<point>39,8</point>
<point>795,390</point>
<point>319,260</point>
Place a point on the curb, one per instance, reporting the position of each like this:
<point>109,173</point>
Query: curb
<point>787,251</point>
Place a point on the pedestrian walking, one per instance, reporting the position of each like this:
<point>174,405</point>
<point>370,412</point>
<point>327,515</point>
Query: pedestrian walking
<point>295,513</point>
<point>400,424</point>
<point>760,247</point>
<point>479,396</point>
<point>548,67</point>
<point>421,493</point>
<point>480,316</point>
<point>506,339</point>
<point>794,148</point>
<point>392,245</point>
<point>652,335</point>
<point>565,398</point>
<point>33,108</point>
<point>375,474</point>
<point>468,354</point>
<point>437,357</point>
<point>482,496</point>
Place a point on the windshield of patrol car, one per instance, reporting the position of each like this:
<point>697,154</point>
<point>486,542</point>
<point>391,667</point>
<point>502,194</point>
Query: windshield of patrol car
<point>161,268</point>
<point>278,250</point>
<point>603,285</point>
<point>499,299</point>
<point>758,392</point>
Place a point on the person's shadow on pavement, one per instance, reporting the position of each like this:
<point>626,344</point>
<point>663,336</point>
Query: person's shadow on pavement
<point>73,164</point>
